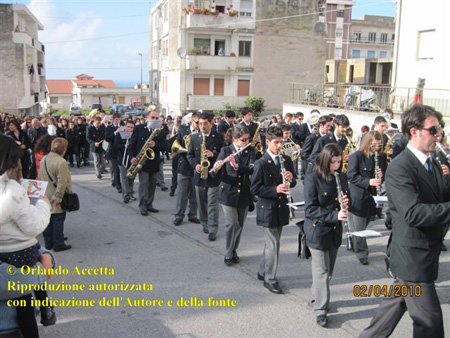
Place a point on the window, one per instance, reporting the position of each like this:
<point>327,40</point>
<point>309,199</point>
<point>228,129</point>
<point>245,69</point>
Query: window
<point>356,53</point>
<point>165,48</point>
<point>164,88</point>
<point>201,86</point>
<point>243,88</point>
<point>426,44</point>
<point>166,12</point>
<point>340,13</point>
<point>383,55</point>
<point>155,52</point>
<point>371,54</point>
<point>372,37</point>
<point>245,48</point>
<point>339,33</point>
<point>393,37</point>
<point>338,53</point>
<point>53,99</point>
<point>203,45</point>
<point>383,38</point>
<point>245,14</point>
<point>356,36</point>
<point>219,85</point>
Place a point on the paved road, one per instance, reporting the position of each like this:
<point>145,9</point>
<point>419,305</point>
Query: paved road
<point>180,263</point>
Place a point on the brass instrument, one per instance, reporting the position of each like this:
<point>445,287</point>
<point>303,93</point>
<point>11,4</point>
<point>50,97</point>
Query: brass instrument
<point>178,149</point>
<point>341,202</point>
<point>145,154</point>
<point>288,195</point>
<point>255,144</point>
<point>387,148</point>
<point>345,153</point>
<point>289,149</point>
<point>204,163</point>
<point>312,120</point>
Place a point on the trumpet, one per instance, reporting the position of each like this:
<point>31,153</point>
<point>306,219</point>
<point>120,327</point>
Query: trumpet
<point>204,163</point>
<point>341,202</point>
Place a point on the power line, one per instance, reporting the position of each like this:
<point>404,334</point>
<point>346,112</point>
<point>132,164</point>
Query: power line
<point>96,68</point>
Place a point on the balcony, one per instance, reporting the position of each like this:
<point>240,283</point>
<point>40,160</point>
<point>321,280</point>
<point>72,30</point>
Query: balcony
<point>28,40</point>
<point>210,62</point>
<point>206,102</point>
<point>366,40</point>
<point>222,20</point>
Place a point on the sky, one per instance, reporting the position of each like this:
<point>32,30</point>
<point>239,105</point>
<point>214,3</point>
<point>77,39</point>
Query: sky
<point>103,38</point>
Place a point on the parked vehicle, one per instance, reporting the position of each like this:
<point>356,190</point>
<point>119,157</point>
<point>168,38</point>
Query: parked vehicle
<point>118,108</point>
<point>96,106</point>
<point>75,110</point>
<point>134,112</point>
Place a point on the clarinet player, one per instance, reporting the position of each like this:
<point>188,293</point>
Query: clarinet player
<point>365,171</point>
<point>323,225</point>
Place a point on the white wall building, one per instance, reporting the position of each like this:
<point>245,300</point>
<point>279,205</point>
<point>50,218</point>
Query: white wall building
<point>421,51</point>
<point>22,66</point>
<point>187,71</point>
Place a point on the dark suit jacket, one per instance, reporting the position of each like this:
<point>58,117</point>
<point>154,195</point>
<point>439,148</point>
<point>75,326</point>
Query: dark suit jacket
<point>251,128</point>
<point>308,146</point>
<point>223,127</point>
<point>120,148</point>
<point>109,137</point>
<point>35,134</point>
<point>94,135</point>
<point>140,135</point>
<point>272,210</point>
<point>359,173</point>
<point>322,228</point>
<point>183,165</point>
<point>323,141</point>
<point>302,132</point>
<point>235,185</point>
<point>419,210</point>
<point>213,143</point>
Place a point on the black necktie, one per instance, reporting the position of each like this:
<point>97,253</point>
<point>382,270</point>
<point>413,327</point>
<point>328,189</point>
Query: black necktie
<point>430,167</point>
<point>277,161</point>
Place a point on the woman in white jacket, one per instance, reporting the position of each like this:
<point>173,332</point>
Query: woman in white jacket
<point>20,223</point>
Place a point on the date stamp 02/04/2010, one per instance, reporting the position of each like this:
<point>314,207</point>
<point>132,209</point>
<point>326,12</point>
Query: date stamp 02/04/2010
<point>377,290</point>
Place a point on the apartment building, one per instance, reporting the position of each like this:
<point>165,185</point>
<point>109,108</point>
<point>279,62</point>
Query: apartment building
<point>204,54</point>
<point>22,66</point>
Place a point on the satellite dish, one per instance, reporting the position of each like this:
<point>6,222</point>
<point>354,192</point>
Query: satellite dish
<point>319,27</point>
<point>181,52</point>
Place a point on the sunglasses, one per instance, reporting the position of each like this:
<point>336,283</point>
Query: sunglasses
<point>433,130</point>
<point>245,139</point>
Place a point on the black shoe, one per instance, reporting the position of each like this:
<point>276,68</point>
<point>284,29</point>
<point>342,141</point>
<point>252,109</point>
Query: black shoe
<point>212,237</point>
<point>236,258</point>
<point>105,171</point>
<point>275,288</point>
<point>164,188</point>
<point>112,183</point>
<point>62,248</point>
<point>48,247</point>
<point>99,177</point>
<point>126,200</point>
<point>194,220</point>
<point>260,277</point>
<point>363,261</point>
<point>172,193</point>
<point>228,261</point>
<point>132,198</point>
<point>380,215</point>
<point>144,213</point>
<point>205,229</point>
<point>177,221</point>
<point>86,163</point>
<point>119,190</point>
<point>443,247</point>
<point>158,185</point>
<point>151,209</point>
<point>66,238</point>
<point>322,320</point>
<point>48,316</point>
<point>373,218</point>
<point>79,165</point>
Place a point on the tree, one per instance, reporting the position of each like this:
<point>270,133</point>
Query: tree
<point>256,104</point>
<point>226,107</point>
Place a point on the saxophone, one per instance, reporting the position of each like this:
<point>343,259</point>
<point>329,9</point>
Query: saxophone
<point>257,145</point>
<point>345,153</point>
<point>387,148</point>
<point>145,154</point>
<point>204,163</point>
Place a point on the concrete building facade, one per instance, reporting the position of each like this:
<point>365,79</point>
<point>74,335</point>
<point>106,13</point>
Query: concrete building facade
<point>22,65</point>
<point>204,54</point>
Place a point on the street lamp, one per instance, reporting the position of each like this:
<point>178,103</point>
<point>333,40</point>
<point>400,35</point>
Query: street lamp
<point>140,54</point>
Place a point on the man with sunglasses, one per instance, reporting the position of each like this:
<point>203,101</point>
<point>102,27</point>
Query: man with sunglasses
<point>418,196</point>
<point>185,176</point>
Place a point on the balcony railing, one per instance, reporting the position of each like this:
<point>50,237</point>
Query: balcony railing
<point>362,97</point>
<point>222,20</point>
<point>210,62</point>
<point>366,40</point>
<point>207,102</point>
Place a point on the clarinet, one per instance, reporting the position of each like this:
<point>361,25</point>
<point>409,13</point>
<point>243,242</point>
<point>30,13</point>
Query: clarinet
<point>341,202</point>
<point>443,151</point>
<point>378,187</point>
<point>288,195</point>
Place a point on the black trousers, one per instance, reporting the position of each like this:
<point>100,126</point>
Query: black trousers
<point>424,310</point>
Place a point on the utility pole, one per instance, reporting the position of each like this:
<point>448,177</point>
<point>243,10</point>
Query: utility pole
<point>140,54</point>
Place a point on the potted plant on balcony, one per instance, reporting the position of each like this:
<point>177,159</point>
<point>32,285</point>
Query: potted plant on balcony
<point>194,51</point>
<point>233,13</point>
<point>186,10</point>
<point>214,11</point>
<point>196,10</point>
<point>205,11</point>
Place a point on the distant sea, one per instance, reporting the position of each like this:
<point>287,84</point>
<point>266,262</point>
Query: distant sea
<point>126,83</point>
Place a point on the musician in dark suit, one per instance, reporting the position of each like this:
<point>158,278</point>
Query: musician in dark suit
<point>418,197</point>
<point>124,161</point>
<point>111,131</point>
<point>337,136</point>
<point>234,193</point>
<point>95,136</point>
<point>324,125</point>
<point>206,189</point>
<point>185,176</point>
<point>247,117</point>
<point>296,128</point>
<point>272,210</point>
<point>227,122</point>
<point>147,175</point>
<point>323,225</point>
<point>363,186</point>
